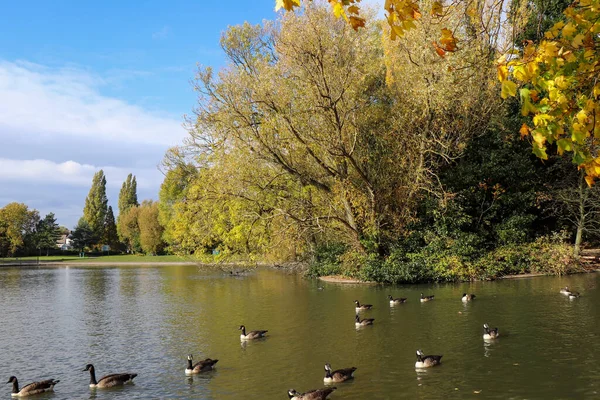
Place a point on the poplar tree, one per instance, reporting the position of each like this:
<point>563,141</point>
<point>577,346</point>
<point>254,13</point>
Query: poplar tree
<point>128,194</point>
<point>96,205</point>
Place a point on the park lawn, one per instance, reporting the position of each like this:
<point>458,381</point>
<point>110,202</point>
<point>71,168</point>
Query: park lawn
<point>110,258</point>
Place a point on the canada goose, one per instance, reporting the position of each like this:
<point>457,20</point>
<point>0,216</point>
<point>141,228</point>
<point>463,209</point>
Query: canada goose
<point>364,322</point>
<point>394,301</point>
<point>362,306</point>
<point>339,375</point>
<point>108,380</point>
<point>317,394</point>
<point>574,295</point>
<point>252,334</point>
<point>490,333</point>
<point>32,388</point>
<point>200,366</point>
<point>424,361</point>
<point>565,291</point>
<point>467,297</point>
<point>426,298</point>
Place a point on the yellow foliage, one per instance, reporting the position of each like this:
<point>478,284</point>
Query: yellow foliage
<point>509,89</point>
<point>287,5</point>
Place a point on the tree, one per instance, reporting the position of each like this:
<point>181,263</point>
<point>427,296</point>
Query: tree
<point>150,229</point>
<point>128,194</point>
<point>560,87</point>
<point>96,205</point>
<point>129,229</point>
<point>17,223</point>
<point>47,232</point>
<point>83,235</point>
<point>110,237</point>
<point>342,146</point>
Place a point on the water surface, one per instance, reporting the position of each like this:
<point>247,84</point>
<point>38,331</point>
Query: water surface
<point>146,320</point>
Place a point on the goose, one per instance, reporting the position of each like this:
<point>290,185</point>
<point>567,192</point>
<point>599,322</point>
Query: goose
<point>32,388</point>
<point>573,295</point>
<point>200,366</point>
<point>108,380</point>
<point>565,291</point>
<point>490,333</point>
<point>394,301</point>
<point>317,394</point>
<point>468,297</point>
<point>426,298</point>
<point>252,334</point>
<point>362,306</point>
<point>339,375</point>
<point>424,361</point>
<point>364,322</point>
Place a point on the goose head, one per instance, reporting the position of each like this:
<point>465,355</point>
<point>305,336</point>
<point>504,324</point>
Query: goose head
<point>11,379</point>
<point>89,367</point>
<point>486,326</point>
<point>292,393</point>
<point>241,328</point>
<point>327,367</point>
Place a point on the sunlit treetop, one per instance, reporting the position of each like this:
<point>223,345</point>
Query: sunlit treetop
<point>559,80</point>
<point>401,16</point>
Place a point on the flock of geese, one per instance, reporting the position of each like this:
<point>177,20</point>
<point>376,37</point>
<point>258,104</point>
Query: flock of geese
<point>208,364</point>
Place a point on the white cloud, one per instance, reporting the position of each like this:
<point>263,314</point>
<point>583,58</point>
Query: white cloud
<point>72,173</point>
<point>162,33</point>
<point>36,100</point>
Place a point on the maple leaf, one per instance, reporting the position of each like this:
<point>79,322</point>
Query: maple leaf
<point>524,131</point>
<point>354,10</point>
<point>287,5</point>
<point>357,22</point>
<point>441,52</point>
<point>448,40</point>
<point>437,9</point>
<point>509,88</point>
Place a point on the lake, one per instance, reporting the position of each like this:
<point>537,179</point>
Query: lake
<point>148,319</point>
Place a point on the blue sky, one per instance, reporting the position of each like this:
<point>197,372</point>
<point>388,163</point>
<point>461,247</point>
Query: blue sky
<point>90,85</point>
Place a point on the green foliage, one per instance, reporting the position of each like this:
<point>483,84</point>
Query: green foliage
<point>96,205</point>
<point>129,229</point>
<point>150,229</point>
<point>83,235</point>
<point>47,232</point>
<point>17,228</point>
<point>111,237</point>
<point>128,194</point>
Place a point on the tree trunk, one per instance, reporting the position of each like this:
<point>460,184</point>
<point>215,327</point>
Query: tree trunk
<point>581,217</point>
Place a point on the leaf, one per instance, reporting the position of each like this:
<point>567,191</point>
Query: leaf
<point>338,10</point>
<point>540,152</point>
<point>502,72</point>
<point>524,131</point>
<point>437,9</point>
<point>354,10</point>
<point>568,30</point>
<point>287,5</point>
<point>509,88</point>
<point>577,40</point>
<point>357,22</point>
<point>441,52</point>
<point>448,40</point>
<point>589,180</point>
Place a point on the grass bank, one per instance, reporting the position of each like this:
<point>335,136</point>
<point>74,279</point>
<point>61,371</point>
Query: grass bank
<point>118,258</point>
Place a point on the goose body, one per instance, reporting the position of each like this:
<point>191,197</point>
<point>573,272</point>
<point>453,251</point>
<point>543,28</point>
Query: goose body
<point>394,301</point>
<point>31,388</point>
<point>574,295</point>
<point>363,322</point>
<point>360,307</point>
<point>252,334</point>
<point>467,297</point>
<point>317,394</point>
<point>565,291</point>
<point>339,375</point>
<point>490,333</point>
<point>424,361</point>
<point>426,298</point>
<point>201,366</point>
<point>109,381</point>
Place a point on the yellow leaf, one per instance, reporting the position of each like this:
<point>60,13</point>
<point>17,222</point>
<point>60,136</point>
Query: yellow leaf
<point>502,72</point>
<point>597,90</point>
<point>437,8</point>
<point>577,40</point>
<point>582,116</point>
<point>589,180</point>
<point>509,88</point>
<point>448,40</point>
<point>287,5</point>
<point>338,10</point>
<point>568,30</point>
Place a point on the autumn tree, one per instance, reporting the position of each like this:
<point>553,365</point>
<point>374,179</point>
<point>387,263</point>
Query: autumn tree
<point>150,229</point>
<point>96,205</point>
<point>129,229</point>
<point>17,223</point>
